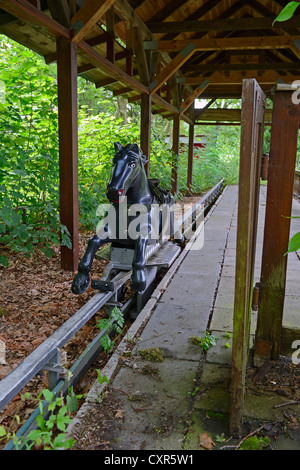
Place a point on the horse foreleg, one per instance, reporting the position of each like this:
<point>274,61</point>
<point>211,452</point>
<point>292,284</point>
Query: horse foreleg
<point>138,278</point>
<point>82,279</point>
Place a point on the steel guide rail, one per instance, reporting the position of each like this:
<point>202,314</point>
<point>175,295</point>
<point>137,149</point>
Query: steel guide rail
<point>46,356</point>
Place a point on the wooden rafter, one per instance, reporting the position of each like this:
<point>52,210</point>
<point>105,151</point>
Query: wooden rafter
<point>88,15</point>
<point>222,67</point>
<point>240,24</point>
<point>60,11</point>
<point>236,78</point>
<point>191,98</point>
<point>237,43</point>
<point>27,12</point>
<point>172,67</point>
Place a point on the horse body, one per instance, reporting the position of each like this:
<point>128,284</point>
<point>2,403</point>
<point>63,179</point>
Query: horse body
<point>128,181</point>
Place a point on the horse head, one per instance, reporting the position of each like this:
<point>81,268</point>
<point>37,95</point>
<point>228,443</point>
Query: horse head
<point>128,167</point>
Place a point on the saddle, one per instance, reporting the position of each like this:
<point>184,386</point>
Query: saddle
<point>162,195</point>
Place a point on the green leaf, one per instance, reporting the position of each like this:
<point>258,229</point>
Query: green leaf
<point>48,395</point>
<point>4,261</point>
<point>294,243</point>
<point>72,403</point>
<point>287,12</point>
<point>2,431</point>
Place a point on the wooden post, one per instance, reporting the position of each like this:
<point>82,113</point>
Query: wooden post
<point>252,125</point>
<point>68,147</point>
<point>175,149</point>
<point>190,157</point>
<point>146,127</point>
<point>283,150</point>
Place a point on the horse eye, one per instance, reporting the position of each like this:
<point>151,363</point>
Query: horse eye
<point>133,165</point>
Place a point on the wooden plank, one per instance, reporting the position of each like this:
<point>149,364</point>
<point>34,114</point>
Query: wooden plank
<point>228,24</point>
<point>204,68</point>
<point>214,44</point>
<point>283,150</point>
<point>146,128</point>
<point>223,114</point>
<point>88,15</point>
<point>68,148</point>
<point>190,156</point>
<point>175,150</point>
<point>236,78</point>
<point>60,11</point>
<point>191,98</point>
<point>172,67</point>
<point>30,14</point>
<point>252,122</point>
<point>140,56</point>
<point>110,68</point>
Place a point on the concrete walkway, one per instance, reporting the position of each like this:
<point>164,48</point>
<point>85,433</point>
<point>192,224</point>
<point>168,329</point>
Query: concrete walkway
<point>167,405</point>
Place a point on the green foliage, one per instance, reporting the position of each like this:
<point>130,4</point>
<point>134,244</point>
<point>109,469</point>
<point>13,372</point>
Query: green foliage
<point>206,342</point>
<point>51,432</point>
<point>115,322</point>
<point>294,243</point>
<point>255,443</point>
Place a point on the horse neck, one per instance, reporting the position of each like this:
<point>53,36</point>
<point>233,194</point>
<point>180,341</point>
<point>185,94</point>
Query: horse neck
<point>140,192</point>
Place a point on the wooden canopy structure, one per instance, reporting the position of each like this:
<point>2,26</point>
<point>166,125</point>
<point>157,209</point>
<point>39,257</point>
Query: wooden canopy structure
<point>163,53</point>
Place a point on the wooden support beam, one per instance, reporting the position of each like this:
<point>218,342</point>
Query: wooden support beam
<point>283,150</point>
<point>141,60</point>
<point>191,98</point>
<point>248,197</point>
<point>222,44</point>
<point>175,150</point>
<point>190,157</point>
<point>224,114</point>
<point>27,12</point>
<point>111,69</point>
<point>278,66</point>
<point>60,11</point>
<point>146,128</point>
<point>228,24</point>
<point>236,78</point>
<point>88,15</point>
<point>172,67</point>
<point>68,148</point>
<point>110,43</point>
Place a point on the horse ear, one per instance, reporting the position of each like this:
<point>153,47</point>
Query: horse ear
<point>136,149</point>
<point>118,146</point>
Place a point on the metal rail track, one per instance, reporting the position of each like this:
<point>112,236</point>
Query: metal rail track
<point>47,355</point>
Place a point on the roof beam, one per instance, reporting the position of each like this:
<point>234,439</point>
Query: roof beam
<point>236,78</point>
<point>240,67</point>
<point>191,98</point>
<point>241,24</point>
<point>172,67</point>
<point>237,43</point>
<point>27,12</point>
<point>88,15</point>
<point>99,61</point>
<point>224,114</point>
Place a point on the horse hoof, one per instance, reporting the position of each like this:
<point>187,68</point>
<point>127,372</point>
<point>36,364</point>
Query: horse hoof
<point>80,283</point>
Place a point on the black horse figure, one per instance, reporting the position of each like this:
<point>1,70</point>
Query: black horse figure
<point>128,179</point>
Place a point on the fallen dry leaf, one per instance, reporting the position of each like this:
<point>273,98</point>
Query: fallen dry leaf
<point>119,413</point>
<point>206,441</point>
